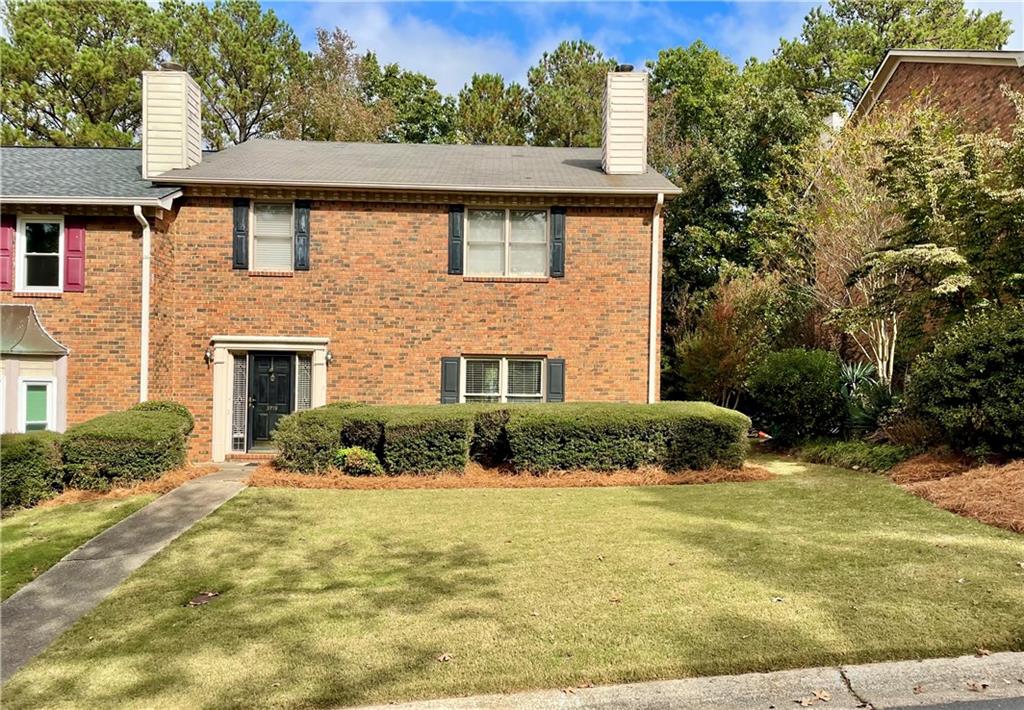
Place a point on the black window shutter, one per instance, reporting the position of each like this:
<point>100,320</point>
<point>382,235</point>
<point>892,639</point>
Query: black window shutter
<point>558,242</point>
<point>302,235</point>
<point>556,380</point>
<point>240,234</point>
<point>449,380</point>
<point>455,237</point>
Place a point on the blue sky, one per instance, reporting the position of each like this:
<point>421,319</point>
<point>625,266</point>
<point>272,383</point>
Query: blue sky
<point>451,40</point>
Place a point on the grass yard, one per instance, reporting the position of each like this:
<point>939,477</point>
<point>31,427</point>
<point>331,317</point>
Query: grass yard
<point>32,541</point>
<point>348,597</point>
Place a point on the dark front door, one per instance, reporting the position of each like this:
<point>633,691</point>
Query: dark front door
<point>270,395</point>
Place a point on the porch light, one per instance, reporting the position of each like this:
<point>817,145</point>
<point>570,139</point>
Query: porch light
<point>208,355</point>
<point>329,357</point>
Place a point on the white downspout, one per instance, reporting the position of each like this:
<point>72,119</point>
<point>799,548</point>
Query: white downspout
<point>144,336</point>
<point>653,357</point>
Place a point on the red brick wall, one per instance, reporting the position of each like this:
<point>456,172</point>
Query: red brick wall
<point>972,91</point>
<point>99,326</point>
<point>378,288</point>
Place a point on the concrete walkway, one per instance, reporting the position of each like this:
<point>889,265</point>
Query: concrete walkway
<point>39,612</point>
<point>994,682</point>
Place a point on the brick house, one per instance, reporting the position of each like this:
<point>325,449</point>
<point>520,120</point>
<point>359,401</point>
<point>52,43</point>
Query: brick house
<point>965,83</point>
<point>275,276</point>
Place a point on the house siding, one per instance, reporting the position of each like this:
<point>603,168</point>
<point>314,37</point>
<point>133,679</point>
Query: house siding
<point>972,91</point>
<point>100,325</point>
<point>378,287</point>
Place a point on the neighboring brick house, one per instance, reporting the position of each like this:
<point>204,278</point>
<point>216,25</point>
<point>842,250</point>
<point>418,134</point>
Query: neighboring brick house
<point>964,83</point>
<point>277,275</point>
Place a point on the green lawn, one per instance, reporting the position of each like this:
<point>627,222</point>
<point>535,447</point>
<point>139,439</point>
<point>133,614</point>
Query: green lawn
<point>347,597</point>
<point>32,541</point>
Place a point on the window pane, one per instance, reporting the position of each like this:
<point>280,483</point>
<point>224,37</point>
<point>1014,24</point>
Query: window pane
<point>482,377</point>
<point>273,219</point>
<point>524,377</point>
<point>42,237</point>
<point>485,259</point>
<point>42,271</point>
<point>486,226</point>
<point>528,259</point>
<point>529,226</point>
<point>272,254</point>
<point>483,398</point>
<point>35,406</point>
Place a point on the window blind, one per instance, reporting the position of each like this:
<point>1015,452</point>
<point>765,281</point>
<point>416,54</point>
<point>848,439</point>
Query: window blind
<point>272,236</point>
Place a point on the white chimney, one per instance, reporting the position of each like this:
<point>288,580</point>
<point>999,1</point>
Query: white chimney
<point>172,120</point>
<point>624,142</point>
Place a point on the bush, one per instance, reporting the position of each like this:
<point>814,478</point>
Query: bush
<point>165,405</point>
<point>426,439</point>
<point>357,461</point>
<point>972,383</point>
<point>307,440</point>
<point>797,394</point>
<point>124,447</point>
<point>31,469</point>
<point>855,454</point>
<point>675,435</point>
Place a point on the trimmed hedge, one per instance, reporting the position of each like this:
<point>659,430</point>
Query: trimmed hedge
<point>534,437</point>
<point>124,447</point>
<point>674,435</point>
<point>166,405</point>
<point>308,440</point>
<point>31,468</point>
<point>357,461</point>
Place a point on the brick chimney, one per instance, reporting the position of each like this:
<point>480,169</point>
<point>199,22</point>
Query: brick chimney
<point>172,120</point>
<point>624,139</point>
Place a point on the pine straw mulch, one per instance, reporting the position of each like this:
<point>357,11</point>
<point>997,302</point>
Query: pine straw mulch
<point>165,484</point>
<point>477,476</point>
<point>927,467</point>
<point>992,494</point>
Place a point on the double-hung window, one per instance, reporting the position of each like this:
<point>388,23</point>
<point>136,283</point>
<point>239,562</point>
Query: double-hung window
<point>503,379</point>
<point>41,254</point>
<point>506,242</point>
<point>272,235</point>
<point>37,405</point>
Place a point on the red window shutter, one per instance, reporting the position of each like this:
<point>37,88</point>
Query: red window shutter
<point>7,224</point>
<point>74,255</point>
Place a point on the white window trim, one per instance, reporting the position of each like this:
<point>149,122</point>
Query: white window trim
<point>503,360</point>
<point>507,240</point>
<point>51,401</point>
<point>252,235</point>
<point>21,267</point>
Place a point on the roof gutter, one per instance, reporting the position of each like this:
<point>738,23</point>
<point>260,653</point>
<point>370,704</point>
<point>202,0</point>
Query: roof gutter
<point>177,180</point>
<point>164,202</point>
<point>653,359</point>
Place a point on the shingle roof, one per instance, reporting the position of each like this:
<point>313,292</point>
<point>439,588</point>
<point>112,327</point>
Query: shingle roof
<point>407,166</point>
<point>98,175</point>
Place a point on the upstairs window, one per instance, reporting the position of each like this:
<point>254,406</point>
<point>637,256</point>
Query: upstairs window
<point>40,250</point>
<point>506,242</point>
<point>272,230</point>
<point>503,379</point>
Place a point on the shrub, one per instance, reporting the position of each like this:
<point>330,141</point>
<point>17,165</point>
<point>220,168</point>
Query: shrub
<point>124,447</point>
<point>165,405</point>
<point>426,439</point>
<point>797,394</point>
<point>855,454</point>
<point>357,461</point>
<point>31,469</point>
<point>489,444</point>
<point>972,383</point>
<point>307,440</point>
<point>675,435</point>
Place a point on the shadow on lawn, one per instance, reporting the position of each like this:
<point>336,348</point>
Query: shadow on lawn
<point>883,575</point>
<point>263,609</point>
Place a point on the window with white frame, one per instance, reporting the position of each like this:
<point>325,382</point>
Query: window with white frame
<point>503,379</point>
<point>272,233</point>
<point>506,242</point>
<point>37,410</point>
<point>40,250</point>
